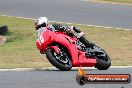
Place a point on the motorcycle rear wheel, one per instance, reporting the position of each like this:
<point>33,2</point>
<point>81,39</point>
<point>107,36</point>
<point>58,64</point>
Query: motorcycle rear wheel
<point>103,64</point>
<point>50,54</point>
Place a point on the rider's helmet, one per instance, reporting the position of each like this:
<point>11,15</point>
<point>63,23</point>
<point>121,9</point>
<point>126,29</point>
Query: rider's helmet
<point>41,22</point>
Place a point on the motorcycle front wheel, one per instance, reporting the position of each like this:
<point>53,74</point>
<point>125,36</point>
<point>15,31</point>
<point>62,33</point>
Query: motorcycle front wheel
<point>61,62</point>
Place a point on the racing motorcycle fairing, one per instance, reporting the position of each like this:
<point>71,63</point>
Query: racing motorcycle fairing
<point>78,57</point>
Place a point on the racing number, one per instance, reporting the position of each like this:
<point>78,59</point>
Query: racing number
<point>41,40</point>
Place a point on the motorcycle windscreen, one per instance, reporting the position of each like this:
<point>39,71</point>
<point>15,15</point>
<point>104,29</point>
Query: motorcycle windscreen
<point>40,30</point>
<point>43,40</point>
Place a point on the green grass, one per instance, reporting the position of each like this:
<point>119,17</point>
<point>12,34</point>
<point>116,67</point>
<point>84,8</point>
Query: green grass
<point>122,1</point>
<point>20,49</point>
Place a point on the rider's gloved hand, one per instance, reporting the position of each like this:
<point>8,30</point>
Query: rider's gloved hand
<point>77,30</point>
<point>62,28</point>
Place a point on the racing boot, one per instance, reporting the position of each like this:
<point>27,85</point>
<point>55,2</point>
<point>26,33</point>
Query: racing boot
<point>86,42</point>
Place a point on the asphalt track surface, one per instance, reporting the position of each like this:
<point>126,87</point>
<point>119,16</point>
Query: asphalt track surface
<point>73,11</point>
<point>55,79</point>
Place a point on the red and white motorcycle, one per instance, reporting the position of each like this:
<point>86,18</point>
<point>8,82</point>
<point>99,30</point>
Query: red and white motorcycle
<point>65,52</point>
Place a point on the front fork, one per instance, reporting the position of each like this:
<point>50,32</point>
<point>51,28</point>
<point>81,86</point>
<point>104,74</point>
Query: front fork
<point>57,50</point>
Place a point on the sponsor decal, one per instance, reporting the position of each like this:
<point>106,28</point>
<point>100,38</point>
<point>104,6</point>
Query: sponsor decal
<point>84,78</point>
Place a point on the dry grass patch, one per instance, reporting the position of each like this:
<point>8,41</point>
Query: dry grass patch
<point>20,50</point>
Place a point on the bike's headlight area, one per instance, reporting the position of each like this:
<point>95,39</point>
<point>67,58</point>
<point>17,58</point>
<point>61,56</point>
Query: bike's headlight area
<point>40,30</point>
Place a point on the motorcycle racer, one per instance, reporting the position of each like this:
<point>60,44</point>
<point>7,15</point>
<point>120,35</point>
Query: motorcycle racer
<point>66,47</point>
<point>42,22</point>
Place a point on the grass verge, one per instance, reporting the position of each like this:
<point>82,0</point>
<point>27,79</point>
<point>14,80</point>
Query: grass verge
<point>20,50</point>
<point>120,1</point>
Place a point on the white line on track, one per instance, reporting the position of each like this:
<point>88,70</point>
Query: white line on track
<point>53,68</point>
<point>72,23</point>
<point>108,2</point>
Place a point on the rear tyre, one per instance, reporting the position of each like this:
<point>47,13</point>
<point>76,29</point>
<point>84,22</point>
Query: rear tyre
<point>103,63</point>
<point>62,63</point>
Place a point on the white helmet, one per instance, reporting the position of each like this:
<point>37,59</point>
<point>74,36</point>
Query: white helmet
<point>41,22</point>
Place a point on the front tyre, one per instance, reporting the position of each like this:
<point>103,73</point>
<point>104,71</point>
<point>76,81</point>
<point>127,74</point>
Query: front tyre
<point>103,63</point>
<point>61,62</point>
